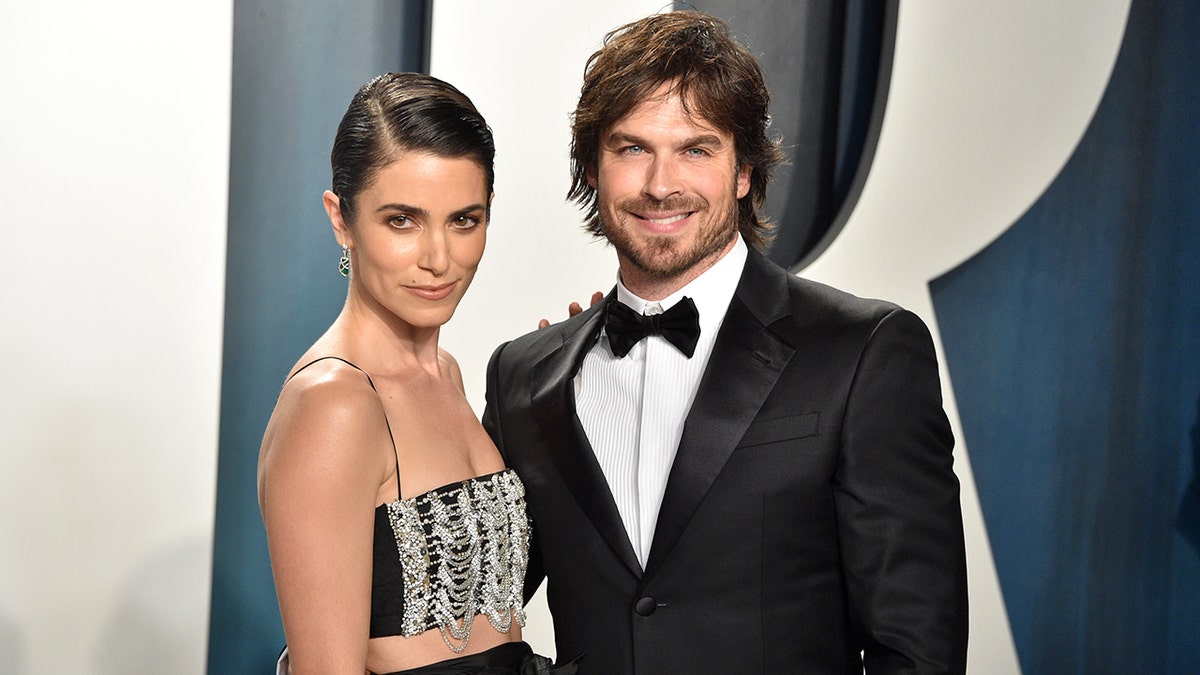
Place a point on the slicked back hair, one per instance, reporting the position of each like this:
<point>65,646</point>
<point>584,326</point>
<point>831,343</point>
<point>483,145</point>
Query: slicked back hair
<point>716,79</point>
<point>405,112</point>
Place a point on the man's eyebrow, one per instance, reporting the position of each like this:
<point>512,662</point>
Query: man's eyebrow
<point>702,139</point>
<point>623,138</point>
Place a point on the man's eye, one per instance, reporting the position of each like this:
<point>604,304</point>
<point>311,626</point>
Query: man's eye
<point>697,152</point>
<point>633,150</point>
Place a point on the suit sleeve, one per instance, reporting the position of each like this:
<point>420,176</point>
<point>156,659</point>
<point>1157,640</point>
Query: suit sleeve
<point>491,409</point>
<point>492,423</point>
<point>897,498</point>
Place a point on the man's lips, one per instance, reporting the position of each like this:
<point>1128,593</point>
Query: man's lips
<point>663,222</point>
<point>432,292</point>
<point>663,219</point>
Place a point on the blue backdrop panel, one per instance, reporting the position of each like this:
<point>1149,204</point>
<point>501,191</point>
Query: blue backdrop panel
<point>827,64</point>
<point>1074,346</point>
<point>296,63</point>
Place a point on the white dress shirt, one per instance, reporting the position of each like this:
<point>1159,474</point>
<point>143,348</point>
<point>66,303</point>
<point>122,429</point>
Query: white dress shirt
<point>633,408</point>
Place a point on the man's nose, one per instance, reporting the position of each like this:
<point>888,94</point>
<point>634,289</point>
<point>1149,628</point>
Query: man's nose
<point>662,178</point>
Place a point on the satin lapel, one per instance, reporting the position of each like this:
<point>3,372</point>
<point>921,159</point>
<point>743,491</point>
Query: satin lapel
<point>551,381</point>
<point>746,362</point>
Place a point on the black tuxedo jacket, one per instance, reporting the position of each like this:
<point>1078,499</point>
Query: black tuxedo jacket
<point>811,519</point>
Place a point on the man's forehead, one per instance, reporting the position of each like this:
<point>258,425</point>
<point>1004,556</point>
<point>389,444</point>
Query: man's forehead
<point>664,108</point>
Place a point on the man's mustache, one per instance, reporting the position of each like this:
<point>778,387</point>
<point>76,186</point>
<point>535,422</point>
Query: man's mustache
<point>670,204</point>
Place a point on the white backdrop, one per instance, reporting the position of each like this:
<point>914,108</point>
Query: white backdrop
<point>114,138</point>
<point>114,128</point>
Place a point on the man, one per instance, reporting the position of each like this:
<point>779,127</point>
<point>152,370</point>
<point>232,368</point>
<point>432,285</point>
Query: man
<point>774,494</point>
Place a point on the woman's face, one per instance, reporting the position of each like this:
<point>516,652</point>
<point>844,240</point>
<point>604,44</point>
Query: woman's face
<point>418,234</point>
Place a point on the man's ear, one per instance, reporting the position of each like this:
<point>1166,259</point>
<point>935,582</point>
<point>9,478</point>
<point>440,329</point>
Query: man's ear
<point>591,176</point>
<point>743,180</point>
<point>333,207</point>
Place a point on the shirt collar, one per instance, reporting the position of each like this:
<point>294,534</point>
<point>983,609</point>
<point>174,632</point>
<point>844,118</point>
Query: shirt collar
<point>712,291</point>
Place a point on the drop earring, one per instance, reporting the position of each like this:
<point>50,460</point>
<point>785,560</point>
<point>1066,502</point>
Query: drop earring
<point>344,261</point>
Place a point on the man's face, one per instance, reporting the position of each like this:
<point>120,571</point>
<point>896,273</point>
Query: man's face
<point>668,185</point>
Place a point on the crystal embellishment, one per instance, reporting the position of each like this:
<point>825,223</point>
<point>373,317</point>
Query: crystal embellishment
<point>464,549</point>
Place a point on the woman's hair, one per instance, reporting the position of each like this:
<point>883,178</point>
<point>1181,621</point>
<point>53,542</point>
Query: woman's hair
<point>716,79</point>
<point>405,112</point>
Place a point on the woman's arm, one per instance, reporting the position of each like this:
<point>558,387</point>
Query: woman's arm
<point>320,471</point>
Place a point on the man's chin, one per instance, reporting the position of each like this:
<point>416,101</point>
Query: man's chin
<point>662,265</point>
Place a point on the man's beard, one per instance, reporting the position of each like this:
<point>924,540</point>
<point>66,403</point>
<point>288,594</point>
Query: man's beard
<point>660,257</point>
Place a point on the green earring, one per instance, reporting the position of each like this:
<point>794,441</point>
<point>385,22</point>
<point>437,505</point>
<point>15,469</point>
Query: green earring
<point>344,262</point>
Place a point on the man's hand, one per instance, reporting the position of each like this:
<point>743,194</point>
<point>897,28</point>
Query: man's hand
<point>574,308</point>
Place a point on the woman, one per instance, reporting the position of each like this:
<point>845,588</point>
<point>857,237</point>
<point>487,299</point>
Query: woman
<point>398,539</point>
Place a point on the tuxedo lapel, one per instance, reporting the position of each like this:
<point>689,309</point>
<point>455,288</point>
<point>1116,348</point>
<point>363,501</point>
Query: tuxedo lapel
<point>553,408</point>
<point>745,364</point>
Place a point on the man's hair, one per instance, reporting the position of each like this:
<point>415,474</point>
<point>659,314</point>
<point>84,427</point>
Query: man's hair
<point>405,112</point>
<point>717,80</point>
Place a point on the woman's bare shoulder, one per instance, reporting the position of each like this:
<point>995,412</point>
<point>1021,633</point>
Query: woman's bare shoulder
<point>327,422</point>
<point>330,392</point>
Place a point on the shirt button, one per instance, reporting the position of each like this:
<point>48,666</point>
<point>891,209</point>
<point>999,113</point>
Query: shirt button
<point>644,606</point>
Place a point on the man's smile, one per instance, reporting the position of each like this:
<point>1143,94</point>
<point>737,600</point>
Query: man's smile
<point>664,219</point>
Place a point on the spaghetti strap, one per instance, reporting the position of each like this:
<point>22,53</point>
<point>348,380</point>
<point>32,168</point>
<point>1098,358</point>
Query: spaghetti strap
<point>395,455</point>
<point>337,358</point>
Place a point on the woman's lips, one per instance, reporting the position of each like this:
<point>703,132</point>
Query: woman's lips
<point>432,292</point>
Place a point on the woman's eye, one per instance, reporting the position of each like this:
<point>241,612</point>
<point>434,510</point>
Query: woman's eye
<point>399,221</point>
<point>466,222</point>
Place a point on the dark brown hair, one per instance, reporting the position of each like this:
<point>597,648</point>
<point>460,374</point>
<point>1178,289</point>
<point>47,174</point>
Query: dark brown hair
<point>716,78</point>
<point>400,112</point>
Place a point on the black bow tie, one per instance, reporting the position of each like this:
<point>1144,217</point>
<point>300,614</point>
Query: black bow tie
<point>680,325</point>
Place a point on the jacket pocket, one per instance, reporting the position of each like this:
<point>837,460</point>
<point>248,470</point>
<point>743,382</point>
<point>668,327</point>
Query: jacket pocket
<point>780,429</point>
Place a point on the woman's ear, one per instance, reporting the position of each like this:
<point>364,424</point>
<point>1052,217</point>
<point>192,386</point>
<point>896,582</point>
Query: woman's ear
<point>333,207</point>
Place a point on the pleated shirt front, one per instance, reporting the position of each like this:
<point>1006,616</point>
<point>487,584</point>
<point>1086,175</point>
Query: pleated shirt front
<point>633,408</point>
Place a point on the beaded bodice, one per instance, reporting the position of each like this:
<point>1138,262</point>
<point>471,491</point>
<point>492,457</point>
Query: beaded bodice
<point>463,550</point>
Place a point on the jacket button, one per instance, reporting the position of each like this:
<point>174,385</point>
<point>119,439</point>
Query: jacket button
<point>644,606</point>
